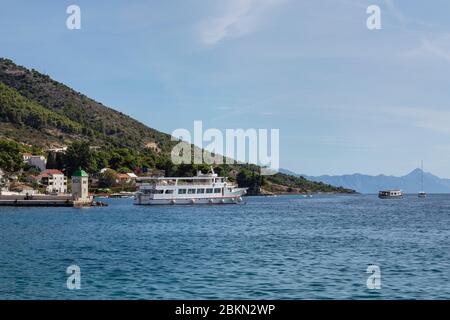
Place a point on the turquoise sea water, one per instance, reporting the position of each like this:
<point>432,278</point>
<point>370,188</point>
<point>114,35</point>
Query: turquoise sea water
<point>287,247</point>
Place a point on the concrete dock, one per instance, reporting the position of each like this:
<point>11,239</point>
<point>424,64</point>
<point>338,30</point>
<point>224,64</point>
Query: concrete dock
<point>79,198</point>
<point>36,201</point>
<point>47,201</point>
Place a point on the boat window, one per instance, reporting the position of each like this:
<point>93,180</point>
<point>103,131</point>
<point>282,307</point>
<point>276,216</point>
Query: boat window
<point>191,191</point>
<point>217,190</point>
<point>169,192</point>
<point>181,191</point>
<point>209,190</point>
<point>200,190</point>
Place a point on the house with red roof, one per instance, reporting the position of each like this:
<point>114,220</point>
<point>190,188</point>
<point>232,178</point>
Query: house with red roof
<point>53,180</point>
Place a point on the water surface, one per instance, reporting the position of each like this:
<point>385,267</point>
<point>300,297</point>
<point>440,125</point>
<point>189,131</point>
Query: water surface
<point>287,247</point>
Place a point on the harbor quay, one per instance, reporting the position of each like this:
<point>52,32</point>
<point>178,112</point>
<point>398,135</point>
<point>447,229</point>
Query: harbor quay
<point>78,198</point>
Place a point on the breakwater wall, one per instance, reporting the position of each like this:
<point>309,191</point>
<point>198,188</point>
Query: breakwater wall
<point>36,201</point>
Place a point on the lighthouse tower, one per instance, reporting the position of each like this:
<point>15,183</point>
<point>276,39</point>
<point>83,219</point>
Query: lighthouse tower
<point>80,186</point>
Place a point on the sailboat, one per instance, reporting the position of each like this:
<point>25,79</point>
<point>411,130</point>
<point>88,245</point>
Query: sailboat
<point>422,194</point>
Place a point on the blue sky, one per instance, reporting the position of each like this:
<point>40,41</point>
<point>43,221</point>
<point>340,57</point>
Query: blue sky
<point>346,99</point>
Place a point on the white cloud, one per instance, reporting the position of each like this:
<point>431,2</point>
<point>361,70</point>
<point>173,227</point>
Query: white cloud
<point>435,119</point>
<point>436,48</point>
<point>240,18</point>
<point>427,118</point>
<point>395,12</point>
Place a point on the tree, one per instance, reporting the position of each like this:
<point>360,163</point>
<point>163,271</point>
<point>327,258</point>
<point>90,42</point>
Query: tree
<point>11,159</point>
<point>102,159</point>
<point>79,155</point>
<point>163,163</point>
<point>222,170</point>
<point>250,180</point>
<point>107,179</point>
<point>184,170</point>
<point>51,160</point>
<point>60,160</point>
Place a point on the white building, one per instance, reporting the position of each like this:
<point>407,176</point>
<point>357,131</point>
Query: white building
<point>36,161</point>
<point>2,181</point>
<point>57,149</point>
<point>54,180</point>
<point>132,175</point>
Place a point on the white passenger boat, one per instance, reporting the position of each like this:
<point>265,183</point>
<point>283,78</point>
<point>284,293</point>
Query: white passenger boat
<point>202,189</point>
<point>390,194</point>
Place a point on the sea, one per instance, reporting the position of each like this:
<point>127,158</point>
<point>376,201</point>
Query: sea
<point>285,247</point>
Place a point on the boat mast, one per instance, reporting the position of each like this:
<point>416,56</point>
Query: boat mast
<point>422,175</point>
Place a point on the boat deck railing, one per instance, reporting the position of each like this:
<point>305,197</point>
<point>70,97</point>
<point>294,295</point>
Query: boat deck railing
<point>179,181</point>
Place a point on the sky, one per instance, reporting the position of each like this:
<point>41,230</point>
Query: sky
<point>346,99</point>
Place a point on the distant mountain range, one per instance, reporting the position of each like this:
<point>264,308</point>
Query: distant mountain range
<point>362,183</point>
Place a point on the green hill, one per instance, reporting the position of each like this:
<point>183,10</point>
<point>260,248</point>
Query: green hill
<point>94,121</point>
<point>25,114</point>
<point>40,112</point>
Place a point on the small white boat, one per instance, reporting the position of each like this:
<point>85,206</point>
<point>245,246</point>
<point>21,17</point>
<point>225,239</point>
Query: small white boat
<point>122,194</point>
<point>422,194</point>
<point>202,189</point>
<point>390,194</point>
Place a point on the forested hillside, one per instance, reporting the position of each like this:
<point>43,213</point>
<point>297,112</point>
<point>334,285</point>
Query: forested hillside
<point>37,112</point>
<point>96,122</point>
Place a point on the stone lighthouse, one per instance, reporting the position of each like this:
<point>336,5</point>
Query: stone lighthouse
<point>80,190</point>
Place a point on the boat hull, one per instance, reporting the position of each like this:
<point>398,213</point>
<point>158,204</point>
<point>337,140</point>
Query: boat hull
<point>422,195</point>
<point>200,201</point>
<point>391,197</point>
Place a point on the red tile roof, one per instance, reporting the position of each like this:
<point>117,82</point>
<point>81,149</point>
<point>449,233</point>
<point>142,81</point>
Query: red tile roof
<point>48,173</point>
<point>52,171</point>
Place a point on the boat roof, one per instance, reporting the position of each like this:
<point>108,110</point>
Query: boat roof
<point>199,176</point>
<point>183,178</point>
